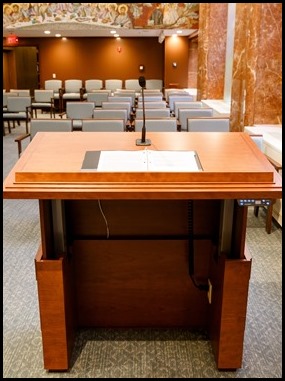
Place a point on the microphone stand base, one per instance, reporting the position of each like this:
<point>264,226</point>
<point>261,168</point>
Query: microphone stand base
<point>139,142</point>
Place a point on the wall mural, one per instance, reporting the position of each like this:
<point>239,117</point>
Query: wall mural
<point>123,15</point>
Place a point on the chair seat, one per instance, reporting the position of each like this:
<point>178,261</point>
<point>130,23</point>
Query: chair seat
<point>41,104</point>
<point>71,96</point>
<point>15,115</point>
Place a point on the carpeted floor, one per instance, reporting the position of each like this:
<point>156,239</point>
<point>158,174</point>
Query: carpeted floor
<point>146,353</point>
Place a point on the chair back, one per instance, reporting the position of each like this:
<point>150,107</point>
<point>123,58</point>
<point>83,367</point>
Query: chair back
<point>154,84</point>
<point>150,98</point>
<point>93,84</point>
<point>111,114</point>
<point>158,104</point>
<point>117,105</point>
<point>18,104</point>
<point>21,92</point>
<point>98,97</point>
<point>43,96</point>
<point>211,124</point>
<point>79,110</point>
<point>72,85</point>
<point>103,125</point>
<point>151,113</point>
<point>181,98</point>
<point>186,104</point>
<point>185,113</point>
<point>159,124</point>
<point>126,93</point>
<point>5,96</point>
<point>172,91</point>
<point>50,125</point>
<point>53,84</point>
<point>132,84</point>
<point>113,84</point>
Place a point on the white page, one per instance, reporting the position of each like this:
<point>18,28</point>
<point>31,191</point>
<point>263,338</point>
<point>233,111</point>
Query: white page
<point>172,161</point>
<point>148,160</point>
<point>122,161</point>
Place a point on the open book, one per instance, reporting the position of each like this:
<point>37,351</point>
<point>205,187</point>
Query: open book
<point>142,161</point>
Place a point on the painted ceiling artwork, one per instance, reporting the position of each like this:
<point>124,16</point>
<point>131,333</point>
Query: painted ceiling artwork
<point>123,15</point>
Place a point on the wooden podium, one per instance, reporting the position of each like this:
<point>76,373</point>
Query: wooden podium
<point>143,248</point>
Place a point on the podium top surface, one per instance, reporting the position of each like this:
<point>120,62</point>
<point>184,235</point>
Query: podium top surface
<point>232,167</point>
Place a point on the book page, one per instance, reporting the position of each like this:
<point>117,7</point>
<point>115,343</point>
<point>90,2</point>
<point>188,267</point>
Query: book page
<point>148,160</point>
<point>122,161</point>
<point>173,161</point>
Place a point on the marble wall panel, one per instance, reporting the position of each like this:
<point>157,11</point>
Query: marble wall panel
<point>212,50</point>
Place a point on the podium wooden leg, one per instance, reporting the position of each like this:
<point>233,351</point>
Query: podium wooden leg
<point>54,279</point>
<point>230,281</point>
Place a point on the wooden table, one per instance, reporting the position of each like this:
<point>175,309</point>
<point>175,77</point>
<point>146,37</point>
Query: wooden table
<point>143,249</point>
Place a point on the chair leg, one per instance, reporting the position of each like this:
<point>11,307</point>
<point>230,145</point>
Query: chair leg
<point>269,218</point>
<point>255,210</point>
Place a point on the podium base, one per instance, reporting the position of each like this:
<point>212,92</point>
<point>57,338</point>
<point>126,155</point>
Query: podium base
<point>139,142</point>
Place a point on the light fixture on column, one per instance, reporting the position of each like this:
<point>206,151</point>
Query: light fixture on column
<point>174,64</point>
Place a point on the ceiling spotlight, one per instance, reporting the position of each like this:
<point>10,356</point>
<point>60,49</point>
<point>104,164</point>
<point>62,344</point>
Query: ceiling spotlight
<point>58,35</point>
<point>47,32</point>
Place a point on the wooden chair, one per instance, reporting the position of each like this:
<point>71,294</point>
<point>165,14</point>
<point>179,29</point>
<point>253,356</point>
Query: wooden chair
<point>72,91</point>
<point>91,85</point>
<point>18,109</point>
<point>43,100</point>
<point>44,125</point>
<point>55,85</point>
<point>76,111</point>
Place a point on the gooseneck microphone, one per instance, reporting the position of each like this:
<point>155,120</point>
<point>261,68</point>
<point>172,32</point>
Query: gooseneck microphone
<point>143,141</point>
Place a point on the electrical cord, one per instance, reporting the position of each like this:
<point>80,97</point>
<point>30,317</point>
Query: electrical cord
<point>105,219</point>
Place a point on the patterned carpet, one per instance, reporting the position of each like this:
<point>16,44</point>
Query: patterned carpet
<point>130,353</point>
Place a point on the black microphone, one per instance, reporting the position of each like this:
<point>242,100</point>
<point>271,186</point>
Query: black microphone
<point>143,141</point>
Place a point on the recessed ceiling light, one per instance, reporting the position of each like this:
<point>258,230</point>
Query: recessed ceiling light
<point>47,32</point>
<point>58,35</point>
<point>113,32</point>
<point>179,31</point>
<point>116,35</point>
